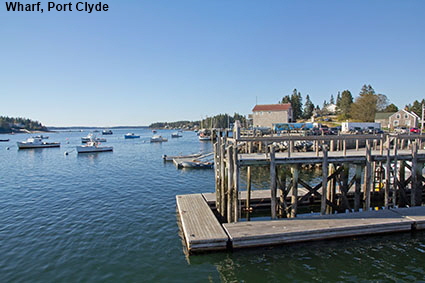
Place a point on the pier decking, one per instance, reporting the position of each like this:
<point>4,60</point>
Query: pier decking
<point>203,232</point>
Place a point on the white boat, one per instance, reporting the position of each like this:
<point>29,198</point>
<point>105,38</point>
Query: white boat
<point>93,146</point>
<point>131,136</point>
<point>197,164</point>
<point>176,135</point>
<point>158,138</point>
<point>171,158</point>
<point>204,135</point>
<point>90,137</point>
<point>36,143</point>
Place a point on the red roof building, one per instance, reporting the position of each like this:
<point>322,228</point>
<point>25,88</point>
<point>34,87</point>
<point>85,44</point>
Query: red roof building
<point>265,115</point>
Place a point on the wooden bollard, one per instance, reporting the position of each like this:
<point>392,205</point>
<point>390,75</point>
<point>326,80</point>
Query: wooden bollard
<point>387,179</point>
<point>273,182</point>
<point>230,184</point>
<point>324,180</point>
<point>368,176</point>
<point>294,196</point>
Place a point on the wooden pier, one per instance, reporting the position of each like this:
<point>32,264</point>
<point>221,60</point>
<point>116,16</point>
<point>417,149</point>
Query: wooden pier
<point>386,173</point>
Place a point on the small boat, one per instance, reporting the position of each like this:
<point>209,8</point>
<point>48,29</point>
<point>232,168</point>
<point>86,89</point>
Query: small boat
<point>91,137</point>
<point>158,138</point>
<point>4,140</point>
<point>93,146</point>
<point>36,143</point>
<point>41,137</point>
<point>171,158</point>
<point>204,135</point>
<point>154,131</point>
<point>176,135</point>
<point>197,164</point>
<point>107,132</point>
<point>131,136</point>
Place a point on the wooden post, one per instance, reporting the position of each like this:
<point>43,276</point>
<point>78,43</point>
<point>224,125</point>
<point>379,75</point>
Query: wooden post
<point>368,175</point>
<point>387,179</point>
<point>224,188</point>
<point>235,183</point>
<point>230,184</point>
<point>344,146</point>
<point>317,147</point>
<point>331,190</point>
<point>294,197</point>
<point>248,192</point>
<point>395,145</point>
<point>273,182</point>
<point>395,178</point>
<point>324,180</point>
<point>357,145</point>
<point>332,145</point>
<point>291,148</point>
<point>402,178</point>
<point>282,200</point>
<point>381,145</point>
<point>416,188</point>
<point>358,184</point>
<point>217,175</point>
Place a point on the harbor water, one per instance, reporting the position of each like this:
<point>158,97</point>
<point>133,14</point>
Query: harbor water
<point>111,217</point>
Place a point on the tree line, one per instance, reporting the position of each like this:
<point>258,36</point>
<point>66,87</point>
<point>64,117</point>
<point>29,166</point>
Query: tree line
<point>217,121</point>
<point>10,124</point>
<point>362,108</point>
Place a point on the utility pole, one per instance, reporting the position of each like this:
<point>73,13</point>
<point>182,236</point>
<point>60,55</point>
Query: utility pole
<point>422,122</point>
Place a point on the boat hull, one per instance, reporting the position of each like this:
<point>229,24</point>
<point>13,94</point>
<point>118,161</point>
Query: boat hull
<point>22,145</point>
<point>90,149</point>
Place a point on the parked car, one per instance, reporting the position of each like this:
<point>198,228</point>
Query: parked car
<point>415,130</point>
<point>401,130</point>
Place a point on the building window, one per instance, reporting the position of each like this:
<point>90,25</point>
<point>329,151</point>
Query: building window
<point>398,116</point>
<point>395,123</point>
<point>405,116</point>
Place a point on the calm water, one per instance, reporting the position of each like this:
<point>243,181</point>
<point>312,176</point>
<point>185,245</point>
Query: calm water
<point>110,217</point>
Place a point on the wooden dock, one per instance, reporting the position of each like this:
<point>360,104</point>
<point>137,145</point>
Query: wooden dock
<point>202,231</point>
<point>388,172</point>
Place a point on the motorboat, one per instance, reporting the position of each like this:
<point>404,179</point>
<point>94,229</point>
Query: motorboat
<point>93,146</point>
<point>197,164</point>
<point>36,143</point>
<point>204,135</point>
<point>41,137</point>
<point>4,140</point>
<point>176,135</point>
<point>90,137</point>
<point>158,138</point>
<point>107,132</point>
<point>131,136</point>
<point>171,158</point>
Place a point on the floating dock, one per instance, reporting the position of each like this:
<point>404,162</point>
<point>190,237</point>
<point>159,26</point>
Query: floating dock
<point>203,232</point>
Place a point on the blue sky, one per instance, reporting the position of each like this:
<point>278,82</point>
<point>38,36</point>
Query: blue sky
<point>145,61</point>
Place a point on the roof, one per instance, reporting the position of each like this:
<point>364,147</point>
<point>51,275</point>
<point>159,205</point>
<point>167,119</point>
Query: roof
<point>383,115</point>
<point>407,112</point>
<point>272,107</point>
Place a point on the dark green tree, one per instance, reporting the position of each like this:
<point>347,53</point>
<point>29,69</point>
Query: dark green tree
<point>416,107</point>
<point>391,108</point>
<point>308,108</point>
<point>332,101</point>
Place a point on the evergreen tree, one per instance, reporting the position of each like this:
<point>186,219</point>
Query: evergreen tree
<point>308,108</point>
<point>391,108</point>
<point>338,99</point>
<point>332,101</point>
<point>416,107</point>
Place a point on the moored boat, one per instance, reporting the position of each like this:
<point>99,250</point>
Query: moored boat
<point>158,138</point>
<point>171,158</point>
<point>204,135</point>
<point>93,146</point>
<point>176,135</point>
<point>4,140</point>
<point>131,136</point>
<point>197,164</point>
<point>36,143</point>
<point>107,132</point>
<point>90,137</point>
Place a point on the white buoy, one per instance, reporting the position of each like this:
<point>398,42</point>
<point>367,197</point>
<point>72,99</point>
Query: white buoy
<point>66,152</point>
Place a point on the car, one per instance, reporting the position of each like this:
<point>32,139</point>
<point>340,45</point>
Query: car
<point>415,130</point>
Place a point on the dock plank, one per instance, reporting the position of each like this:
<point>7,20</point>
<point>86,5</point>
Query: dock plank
<point>261,233</point>
<point>416,213</point>
<point>201,229</point>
